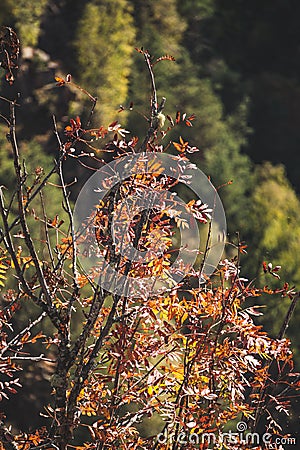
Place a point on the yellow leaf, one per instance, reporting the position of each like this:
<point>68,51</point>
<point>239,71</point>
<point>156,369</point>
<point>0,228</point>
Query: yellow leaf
<point>150,390</point>
<point>204,379</point>
<point>184,317</point>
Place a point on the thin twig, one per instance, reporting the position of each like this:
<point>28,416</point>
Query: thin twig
<point>35,193</point>
<point>22,333</point>
<point>7,438</point>
<point>10,248</point>
<point>264,390</point>
<point>23,221</point>
<point>83,370</point>
<point>67,204</point>
<point>48,243</point>
<point>288,317</point>
<point>97,303</point>
<point>155,109</point>
<point>28,358</point>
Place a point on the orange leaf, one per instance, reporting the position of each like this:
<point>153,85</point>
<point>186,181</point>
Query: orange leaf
<point>40,335</point>
<point>25,337</point>
<point>60,81</point>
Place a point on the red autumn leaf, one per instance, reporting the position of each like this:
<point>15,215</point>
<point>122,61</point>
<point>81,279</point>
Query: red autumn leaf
<point>55,223</point>
<point>113,124</point>
<point>139,50</point>
<point>170,120</point>
<point>164,58</point>
<point>74,127</point>
<point>242,248</point>
<point>191,117</point>
<point>11,390</point>
<point>272,270</point>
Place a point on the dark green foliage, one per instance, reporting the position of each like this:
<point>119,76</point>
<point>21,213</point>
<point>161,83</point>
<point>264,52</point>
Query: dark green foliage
<point>110,31</point>
<point>28,17</point>
<point>161,33</point>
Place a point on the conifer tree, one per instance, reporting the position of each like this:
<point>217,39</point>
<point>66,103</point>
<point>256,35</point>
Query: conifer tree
<point>104,58</point>
<point>28,17</point>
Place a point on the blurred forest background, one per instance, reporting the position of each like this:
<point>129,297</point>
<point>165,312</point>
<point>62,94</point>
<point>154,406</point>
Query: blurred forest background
<point>237,69</point>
